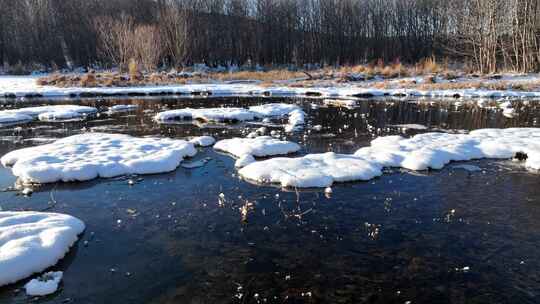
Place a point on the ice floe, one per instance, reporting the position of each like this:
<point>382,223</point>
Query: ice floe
<point>30,242</point>
<point>258,147</point>
<point>420,152</point>
<point>44,285</point>
<point>91,155</point>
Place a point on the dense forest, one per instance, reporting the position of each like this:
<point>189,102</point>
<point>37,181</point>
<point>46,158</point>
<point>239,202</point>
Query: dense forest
<point>485,34</point>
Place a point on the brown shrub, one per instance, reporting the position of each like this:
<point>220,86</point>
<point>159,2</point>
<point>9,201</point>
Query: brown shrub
<point>134,70</point>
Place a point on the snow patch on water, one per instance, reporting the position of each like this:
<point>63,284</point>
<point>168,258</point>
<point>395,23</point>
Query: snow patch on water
<point>30,242</point>
<point>244,160</point>
<point>208,114</point>
<point>91,155</point>
<point>420,152</point>
<point>122,108</point>
<point>294,114</point>
<point>27,86</point>
<point>312,170</point>
<point>13,118</point>
<point>259,146</point>
<point>203,141</point>
<point>46,113</point>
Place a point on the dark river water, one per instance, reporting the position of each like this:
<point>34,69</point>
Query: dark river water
<point>448,236</point>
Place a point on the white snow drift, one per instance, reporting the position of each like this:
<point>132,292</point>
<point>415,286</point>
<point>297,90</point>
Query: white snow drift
<point>434,150</point>
<point>420,152</point>
<point>30,242</point>
<point>203,141</point>
<point>21,86</point>
<point>259,146</point>
<point>91,155</point>
<point>13,118</point>
<point>209,114</point>
<point>313,170</point>
<point>122,108</point>
<point>293,113</point>
<point>55,112</point>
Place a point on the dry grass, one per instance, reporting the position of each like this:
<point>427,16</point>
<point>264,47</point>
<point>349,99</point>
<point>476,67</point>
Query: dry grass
<point>272,75</point>
<point>428,69</point>
<point>478,84</point>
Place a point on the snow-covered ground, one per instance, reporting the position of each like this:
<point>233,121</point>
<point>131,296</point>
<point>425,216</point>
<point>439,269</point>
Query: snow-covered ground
<point>91,155</point>
<point>30,242</point>
<point>21,86</point>
<point>420,152</point>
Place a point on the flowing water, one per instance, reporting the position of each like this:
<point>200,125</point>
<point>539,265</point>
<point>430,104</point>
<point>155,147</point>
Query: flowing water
<point>446,236</point>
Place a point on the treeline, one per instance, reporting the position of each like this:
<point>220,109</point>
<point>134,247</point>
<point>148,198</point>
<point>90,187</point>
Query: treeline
<point>485,34</point>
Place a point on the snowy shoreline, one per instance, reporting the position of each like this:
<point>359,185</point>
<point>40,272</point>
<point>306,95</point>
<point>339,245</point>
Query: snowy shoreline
<point>26,87</point>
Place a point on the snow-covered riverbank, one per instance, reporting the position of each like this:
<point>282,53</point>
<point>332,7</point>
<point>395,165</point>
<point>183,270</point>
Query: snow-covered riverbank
<point>26,86</point>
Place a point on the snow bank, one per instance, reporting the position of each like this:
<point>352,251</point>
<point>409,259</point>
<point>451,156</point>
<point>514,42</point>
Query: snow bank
<point>11,86</point>
<point>259,146</point>
<point>13,118</point>
<point>312,170</point>
<point>44,285</point>
<point>30,242</point>
<point>91,155</point>
<point>420,152</point>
